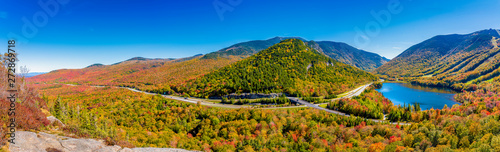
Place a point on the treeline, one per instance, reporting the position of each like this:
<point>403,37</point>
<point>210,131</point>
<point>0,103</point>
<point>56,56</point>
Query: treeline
<point>444,84</point>
<point>404,113</point>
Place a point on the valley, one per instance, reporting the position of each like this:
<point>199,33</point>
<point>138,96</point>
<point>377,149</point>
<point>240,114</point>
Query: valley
<point>349,94</point>
<point>320,102</point>
<point>249,76</point>
<point>460,62</point>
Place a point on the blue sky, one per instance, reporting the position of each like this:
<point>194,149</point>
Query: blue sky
<point>81,33</point>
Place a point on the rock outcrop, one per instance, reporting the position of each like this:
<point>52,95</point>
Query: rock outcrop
<point>54,121</point>
<point>42,142</point>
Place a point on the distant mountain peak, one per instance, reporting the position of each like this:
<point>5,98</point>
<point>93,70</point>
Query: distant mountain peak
<point>138,59</point>
<point>147,59</point>
<point>95,65</point>
<point>279,38</point>
<point>143,59</point>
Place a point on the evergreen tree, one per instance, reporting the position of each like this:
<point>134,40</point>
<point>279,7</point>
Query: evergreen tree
<point>57,108</point>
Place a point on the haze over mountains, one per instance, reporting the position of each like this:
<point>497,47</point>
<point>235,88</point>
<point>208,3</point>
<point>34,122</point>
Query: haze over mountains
<point>32,74</point>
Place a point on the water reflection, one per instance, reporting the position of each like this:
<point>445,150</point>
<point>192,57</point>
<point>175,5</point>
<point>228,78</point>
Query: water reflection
<point>430,89</point>
<point>427,97</point>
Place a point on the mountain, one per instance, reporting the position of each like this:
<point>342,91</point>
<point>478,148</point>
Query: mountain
<point>246,48</point>
<point>95,65</point>
<point>144,59</point>
<point>160,74</point>
<point>349,55</point>
<point>339,51</point>
<point>188,58</point>
<point>447,60</point>
<point>141,73</point>
<point>290,66</point>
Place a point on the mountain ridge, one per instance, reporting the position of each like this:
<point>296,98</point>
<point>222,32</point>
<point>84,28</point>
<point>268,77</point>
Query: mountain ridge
<point>337,50</point>
<point>454,60</point>
<point>290,66</point>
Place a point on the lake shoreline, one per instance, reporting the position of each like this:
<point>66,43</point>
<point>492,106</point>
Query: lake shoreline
<point>427,97</point>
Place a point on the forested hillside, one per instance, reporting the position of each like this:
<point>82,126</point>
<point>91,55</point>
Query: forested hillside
<point>130,119</point>
<point>458,61</point>
<point>349,55</point>
<point>159,75</point>
<point>289,66</point>
<point>126,118</point>
<point>246,49</point>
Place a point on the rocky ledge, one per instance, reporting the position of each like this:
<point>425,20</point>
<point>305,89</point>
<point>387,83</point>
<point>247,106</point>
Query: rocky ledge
<point>42,142</point>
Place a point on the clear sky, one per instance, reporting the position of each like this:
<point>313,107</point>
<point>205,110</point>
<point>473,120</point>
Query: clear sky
<point>77,33</point>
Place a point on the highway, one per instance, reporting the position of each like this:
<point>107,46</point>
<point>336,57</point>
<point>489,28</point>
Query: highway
<point>350,94</point>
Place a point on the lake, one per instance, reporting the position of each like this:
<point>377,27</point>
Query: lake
<point>401,93</point>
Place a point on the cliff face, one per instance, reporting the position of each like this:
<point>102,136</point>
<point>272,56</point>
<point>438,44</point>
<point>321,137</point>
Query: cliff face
<point>43,142</point>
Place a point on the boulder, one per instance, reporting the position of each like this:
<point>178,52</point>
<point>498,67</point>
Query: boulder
<point>54,121</point>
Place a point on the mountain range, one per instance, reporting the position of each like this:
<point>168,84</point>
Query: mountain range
<point>291,66</point>
<point>444,60</point>
<point>447,60</point>
<point>339,51</point>
<point>161,74</point>
<point>142,74</point>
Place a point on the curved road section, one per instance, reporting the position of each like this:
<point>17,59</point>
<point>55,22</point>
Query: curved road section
<point>353,93</point>
<point>350,94</point>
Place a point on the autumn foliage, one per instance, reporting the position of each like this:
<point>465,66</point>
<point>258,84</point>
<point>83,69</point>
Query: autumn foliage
<point>288,67</point>
<point>28,114</point>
